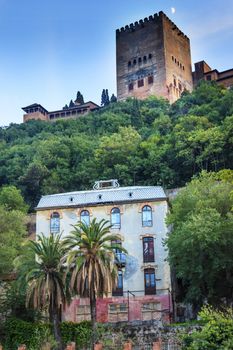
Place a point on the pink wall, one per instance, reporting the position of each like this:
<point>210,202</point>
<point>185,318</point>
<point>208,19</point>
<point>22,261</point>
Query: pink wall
<point>135,305</point>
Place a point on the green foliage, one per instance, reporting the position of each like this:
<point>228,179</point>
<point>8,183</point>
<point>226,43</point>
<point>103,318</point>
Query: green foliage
<point>173,144</point>
<point>216,334</point>
<point>80,333</point>
<point>79,98</point>
<point>12,232</point>
<point>201,243</point>
<point>11,199</point>
<point>34,335</point>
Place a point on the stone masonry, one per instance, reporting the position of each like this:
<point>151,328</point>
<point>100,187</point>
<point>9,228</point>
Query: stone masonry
<point>153,58</point>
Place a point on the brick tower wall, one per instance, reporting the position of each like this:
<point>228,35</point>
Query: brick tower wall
<point>140,54</point>
<point>178,60</point>
<point>144,52</point>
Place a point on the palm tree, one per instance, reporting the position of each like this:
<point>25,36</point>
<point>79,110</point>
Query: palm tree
<point>92,263</point>
<point>42,267</point>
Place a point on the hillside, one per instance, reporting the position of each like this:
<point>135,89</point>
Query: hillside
<point>138,142</point>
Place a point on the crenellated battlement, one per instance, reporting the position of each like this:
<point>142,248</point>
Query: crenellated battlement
<point>153,18</point>
<point>132,26</point>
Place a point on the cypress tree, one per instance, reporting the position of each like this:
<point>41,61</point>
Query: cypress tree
<point>103,98</point>
<point>79,98</point>
<point>113,98</point>
<point>71,105</point>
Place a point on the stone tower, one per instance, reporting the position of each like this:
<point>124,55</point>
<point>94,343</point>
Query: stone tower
<point>153,58</point>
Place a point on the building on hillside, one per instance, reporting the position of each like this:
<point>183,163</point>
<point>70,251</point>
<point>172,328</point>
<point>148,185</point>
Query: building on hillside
<point>38,112</point>
<point>137,215</point>
<point>153,58</point>
<point>204,72</point>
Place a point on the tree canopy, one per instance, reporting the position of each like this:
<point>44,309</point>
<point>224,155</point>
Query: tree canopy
<point>12,226</point>
<point>173,143</point>
<point>201,241</point>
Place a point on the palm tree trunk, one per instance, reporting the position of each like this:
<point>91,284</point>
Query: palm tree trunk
<point>56,329</point>
<point>93,313</point>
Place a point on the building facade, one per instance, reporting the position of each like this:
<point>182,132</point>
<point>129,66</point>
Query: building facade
<point>38,112</point>
<point>153,58</point>
<point>137,215</point>
<point>204,72</point>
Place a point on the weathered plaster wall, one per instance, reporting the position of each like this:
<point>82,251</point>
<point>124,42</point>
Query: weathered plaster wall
<point>131,233</point>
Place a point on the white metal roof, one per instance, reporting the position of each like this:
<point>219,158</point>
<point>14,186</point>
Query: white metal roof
<point>98,197</point>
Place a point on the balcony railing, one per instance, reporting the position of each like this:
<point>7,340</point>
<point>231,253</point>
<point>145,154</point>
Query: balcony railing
<point>120,259</point>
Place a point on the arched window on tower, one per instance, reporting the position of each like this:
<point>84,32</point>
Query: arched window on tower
<point>55,222</point>
<point>116,218</point>
<point>85,217</point>
<point>146,216</point>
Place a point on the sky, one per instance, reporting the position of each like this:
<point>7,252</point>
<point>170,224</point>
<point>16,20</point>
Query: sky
<point>50,49</point>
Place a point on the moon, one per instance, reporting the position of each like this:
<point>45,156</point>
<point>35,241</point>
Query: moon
<point>173,10</point>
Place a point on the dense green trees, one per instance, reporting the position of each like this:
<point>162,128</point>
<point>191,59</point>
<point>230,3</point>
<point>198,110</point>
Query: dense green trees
<point>173,143</point>
<point>12,226</point>
<point>201,242</point>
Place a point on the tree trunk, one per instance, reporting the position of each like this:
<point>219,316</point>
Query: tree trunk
<point>56,329</point>
<point>93,314</point>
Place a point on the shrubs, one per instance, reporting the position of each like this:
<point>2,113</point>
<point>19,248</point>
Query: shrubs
<point>34,335</point>
<point>216,334</point>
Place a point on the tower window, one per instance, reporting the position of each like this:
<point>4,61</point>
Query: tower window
<point>144,59</point>
<point>130,86</point>
<point>150,79</point>
<point>134,61</point>
<point>129,64</point>
<point>140,60</point>
<point>173,58</point>
<point>149,280</point>
<point>150,56</point>
<point>140,83</point>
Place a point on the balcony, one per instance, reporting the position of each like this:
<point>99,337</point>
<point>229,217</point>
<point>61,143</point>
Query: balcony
<point>120,259</point>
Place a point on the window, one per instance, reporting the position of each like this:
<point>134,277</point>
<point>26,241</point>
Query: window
<point>148,249</point>
<point>151,311</point>
<point>83,313</point>
<point>150,79</point>
<point>149,279</point>
<point>144,59</point>
<point>118,291</point>
<point>140,83</point>
<point>140,60</point>
<point>130,86</point>
<point>117,312</point>
<point>134,61</point>
<point>146,216</point>
<point>150,56</point>
<point>120,257</point>
<point>85,217</point>
<point>174,81</point>
<point>115,218</point>
<point>55,223</point>
<point>129,64</point>
<point>173,58</point>
<point>208,77</point>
